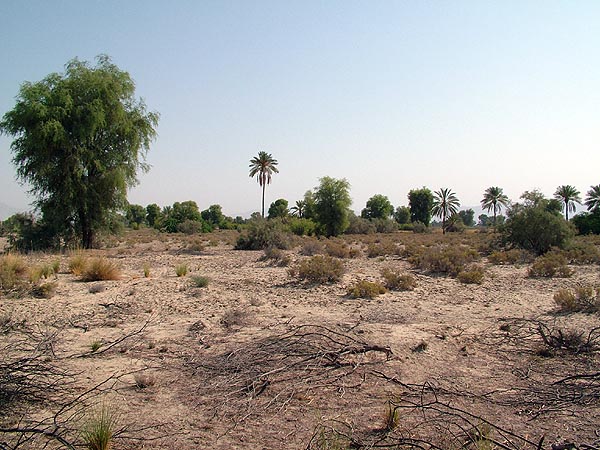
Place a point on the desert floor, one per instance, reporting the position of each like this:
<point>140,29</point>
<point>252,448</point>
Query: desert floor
<point>260,360</point>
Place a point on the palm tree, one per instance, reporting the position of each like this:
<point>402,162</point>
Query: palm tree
<point>445,204</point>
<point>569,196</point>
<point>298,209</point>
<point>592,201</point>
<point>494,199</point>
<point>263,166</point>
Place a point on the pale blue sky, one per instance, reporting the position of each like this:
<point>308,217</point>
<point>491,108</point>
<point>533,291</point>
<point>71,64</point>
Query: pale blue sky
<point>391,95</point>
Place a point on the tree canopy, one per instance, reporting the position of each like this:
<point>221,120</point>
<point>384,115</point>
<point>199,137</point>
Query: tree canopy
<point>332,205</point>
<point>263,167</point>
<point>378,207</point>
<point>420,202</point>
<point>79,140</point>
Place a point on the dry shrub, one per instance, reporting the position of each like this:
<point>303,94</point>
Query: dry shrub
<point>276,256</point>
<point>513,256</point>
<point>44,290</point>
<point>581,252</point>
<point>366,289</point>
<point>12,271</point>
<point>383,248</point>
<point>43,271</point>
<point>144,380</point>
<point>337,249</point>
<point>568,340</point>
<point>582,299</point>
<point>473,275</point>
<point>100,269</point>
<point>550,265</point>
<point>396,281</point>
<point>196,245</point>
<point>442,259</point>
<point>319,269</point>
<point>312,247</point>
<point>234,318</point>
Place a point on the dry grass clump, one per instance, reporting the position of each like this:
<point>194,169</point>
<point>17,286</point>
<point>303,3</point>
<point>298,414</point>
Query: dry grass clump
<point>195,245</point>
<point>550,265</point>
<point>100,269</point>
<point>319,269</point>
<point>181,270</point>
<point>77,263</point>
<point>144,380</point>
<point>472,275</point>
<point>366,289</point>
<point>276,256</point>
<point>582,299</point>
<point>396,281</point>
<point>443,259</point>
<point>513,256</point>
<point>340,249</point>
<point>43,271</point>
<point>234,318</point>
<point>12,271</point>
<point>44,290</point>
<point>98,431</point>
<point>200,281</point>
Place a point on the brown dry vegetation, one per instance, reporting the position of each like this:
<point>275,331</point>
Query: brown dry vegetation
<point>260,359</point>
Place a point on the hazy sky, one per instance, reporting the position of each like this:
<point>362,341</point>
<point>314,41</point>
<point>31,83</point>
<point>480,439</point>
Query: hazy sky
<point>391,95</point>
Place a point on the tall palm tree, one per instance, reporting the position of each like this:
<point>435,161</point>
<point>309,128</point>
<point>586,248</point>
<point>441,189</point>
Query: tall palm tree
<point>445,204</point>
<point>569,196</point>
<point>263,166</point>
<point>494,199</point>
<point>298,209</point>
<point>592,201</point>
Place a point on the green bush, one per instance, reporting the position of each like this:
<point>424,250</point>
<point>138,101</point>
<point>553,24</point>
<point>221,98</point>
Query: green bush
<point>302,227</point>
<point>366,289</point>
<point>395,281</point>
<point>385,225</point>
<point>200,281</point>
<point>581,252</point>
<point>359,225</point>
<point>420,227</point>
<point>536,229</point>
<point>319,269</point>
<point>550,265</point>
<point>261,234</point>
<point>194,227</point>
<point>587,223</point>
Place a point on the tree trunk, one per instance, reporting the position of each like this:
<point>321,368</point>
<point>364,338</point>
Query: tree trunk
<point>87,234</point>
<point>263,200</point>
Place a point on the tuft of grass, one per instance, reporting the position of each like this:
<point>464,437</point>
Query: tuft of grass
<point>78,263</point>
<point>56,266</point>
<point>319,269</point>
<point>391,417</point>
<point>98,431</point>
<point>100,269</point>
<point>582,299</point>
<point>550,265</point>
<point>95,346</point>
<point>12,271</point>
<point>181,270</point>
<point>146,270</point>
<point>366,289</point>
<point>234,317</point>
<point>395,281</point>
<point>200,281</point>
<point>44,271</point>
<point>420,347</point>
<point>473,275</point>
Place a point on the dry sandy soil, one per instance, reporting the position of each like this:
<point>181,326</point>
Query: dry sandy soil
<point>260,360</point>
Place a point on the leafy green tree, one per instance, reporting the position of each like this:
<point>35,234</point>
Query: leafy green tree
<point>402,215</point>
<point>493,200</point>
<point>214,215</point>
<point>420,202</point>
<point>467,217</point>
<point>309,205</point>
<point>279,208</point>
<point>135,214</point>
<point>80,139</point>
<point>569,196</point>
<point>332,205</point>
<point>445,204</point>
<point>263,167</point>
<point>592,199</point>
<point>378,207</point>
<point>587,222</point>
<point>298,210</point>
<point>153,214</point>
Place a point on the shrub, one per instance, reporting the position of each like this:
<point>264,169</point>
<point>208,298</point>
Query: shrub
<point>420,227</point>
<point>200,281</point>
<point>44,271</point>
<point>12,271</point>
<point>194,227</point>
<point>569,340</point>
<point>385,225</point>
<point>261,234</point>
<point>302,227</point>
<point>536,229</point>
<point>512,256</point>
<point>359,225</point>
<point>337,249</point>
<point>550,265</point>
<point>276,256</point>
<point>319,269</point>
<point>100,269</point>
<point>181,270</point>
<point>473,275</point>
<point>366,289</point>
<point>143,380</point>
<point>383,248</point>
<point>581,253</point>
<point>98,431</point>
<point>582,299</point>
<point>447,260</point>
<point>312,247</point>
<point>395,281</point>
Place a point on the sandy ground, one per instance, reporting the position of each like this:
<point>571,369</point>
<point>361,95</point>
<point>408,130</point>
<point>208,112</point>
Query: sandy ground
<point>246,362</point>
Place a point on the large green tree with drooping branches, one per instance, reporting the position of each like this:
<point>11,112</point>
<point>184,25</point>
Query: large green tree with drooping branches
<point>80,138</point>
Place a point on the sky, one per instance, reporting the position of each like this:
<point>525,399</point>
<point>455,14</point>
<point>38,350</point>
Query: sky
<point>391,95</point>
